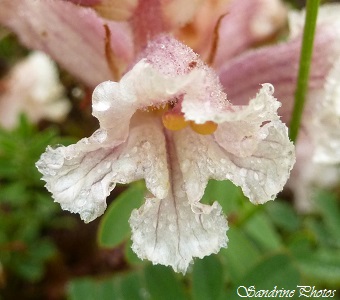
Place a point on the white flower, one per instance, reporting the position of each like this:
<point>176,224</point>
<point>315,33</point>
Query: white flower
<point>33,88</point>
<point>168,121</point>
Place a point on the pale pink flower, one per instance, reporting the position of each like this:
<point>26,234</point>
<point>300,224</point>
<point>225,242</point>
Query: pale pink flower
<point>167,120</point>
<point>248,145</point>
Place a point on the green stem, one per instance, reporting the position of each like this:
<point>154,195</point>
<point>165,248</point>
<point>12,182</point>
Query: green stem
<point>305,61</point>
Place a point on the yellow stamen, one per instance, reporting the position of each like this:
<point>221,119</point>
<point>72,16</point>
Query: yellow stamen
<point>174,121</point>
<point>205,128</point>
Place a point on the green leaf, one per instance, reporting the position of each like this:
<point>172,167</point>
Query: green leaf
<point>125,287</point>
<point>82,289</point>
<point>225,192</point>
<point>207,278</point>
<point>114,226</point>
<point>162,283</point>
<point>322,266</point>
<point>240,255</point>
<point>283,215</point>
<point>108,289</point>
<point>260,228</point>
<point>277,270</point>
<point>329,209</point>
<point>131,287</point>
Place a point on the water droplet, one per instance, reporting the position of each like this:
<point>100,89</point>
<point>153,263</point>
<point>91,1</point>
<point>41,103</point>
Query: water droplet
<point>256,176</point>
<point>243,172</point>
<point>146,145</point>
<point>171,218</point>
<point>81,202</point>
<point>269,88</point>
<point>144,293</point>
<point>101,105</point>
<point>185,165</point>
<point>134,150</point>
<point>99,135</point>
<point>83,193</point>
<point>172,227</point>
<point>186,203</point>
<point>179,193</point>
<point>207,224</point>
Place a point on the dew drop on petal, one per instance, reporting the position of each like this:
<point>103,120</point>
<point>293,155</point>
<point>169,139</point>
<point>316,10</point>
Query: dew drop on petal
<point>243,172</point>
<point>185,165</point>
<point>172,227</point>
<point>146,145</point>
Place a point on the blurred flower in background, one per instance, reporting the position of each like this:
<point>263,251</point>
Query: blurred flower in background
<point>32,88</point>
<point>317,147</point>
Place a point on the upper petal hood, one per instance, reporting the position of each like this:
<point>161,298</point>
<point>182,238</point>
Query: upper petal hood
<point>203,99</point>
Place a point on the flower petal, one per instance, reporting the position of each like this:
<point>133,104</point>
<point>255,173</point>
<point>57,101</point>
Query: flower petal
<point>246,24</point>
<point>116,10</point>
<point>244,126</point>
<point>168,232</point>
<point>81,176</point>
<point>72,35</point>
<point>121,100</point>
<point>175,17</point>
<point>260,166</point>
<point>309,175</point>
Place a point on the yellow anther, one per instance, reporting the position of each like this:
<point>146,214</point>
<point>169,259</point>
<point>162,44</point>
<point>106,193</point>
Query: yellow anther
<point>205,128</point>
<point>174,121</point>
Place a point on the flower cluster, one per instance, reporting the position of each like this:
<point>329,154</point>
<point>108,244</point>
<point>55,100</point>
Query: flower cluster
<point>166,118</point>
